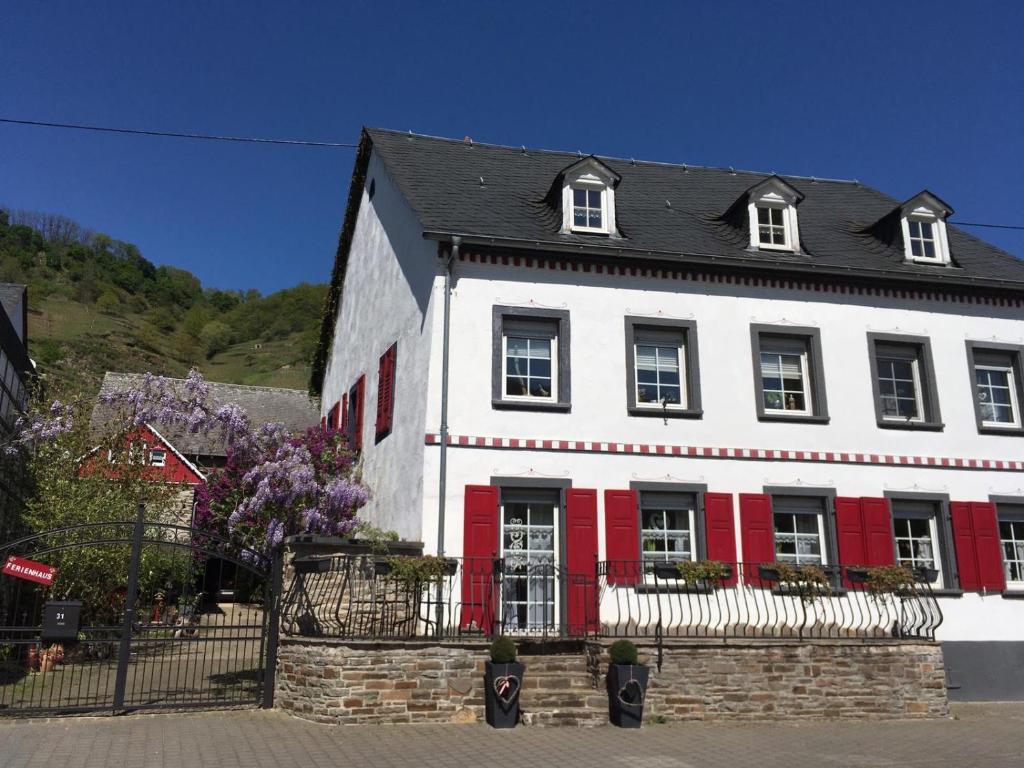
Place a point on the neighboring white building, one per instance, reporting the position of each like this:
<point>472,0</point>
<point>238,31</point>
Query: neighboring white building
<point>649,361</point>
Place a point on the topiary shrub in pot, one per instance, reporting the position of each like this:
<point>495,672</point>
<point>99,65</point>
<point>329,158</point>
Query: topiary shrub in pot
<point>627,685</point>
<point>503,681</point>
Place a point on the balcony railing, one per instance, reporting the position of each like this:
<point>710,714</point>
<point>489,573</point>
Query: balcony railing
<point>751,600</point>
<point>372,597</point>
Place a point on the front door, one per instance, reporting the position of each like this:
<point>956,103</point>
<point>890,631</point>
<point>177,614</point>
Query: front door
<point>529,547</point>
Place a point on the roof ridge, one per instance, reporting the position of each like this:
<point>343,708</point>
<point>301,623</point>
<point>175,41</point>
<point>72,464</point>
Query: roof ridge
<point>634,161</point>
<point>108,374</point>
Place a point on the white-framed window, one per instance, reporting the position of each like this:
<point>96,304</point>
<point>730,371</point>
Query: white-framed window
<point>922,239</point>
<point>588,198</point>
<point>1011,535</point>
<point>771,227</point>
<point>659,365</point>
<point>899,385</point>
<point>529,363</point>
<point>785,380</point>
<point>799,524</point>
<point>772,213</point>
<point>923,223</point>
<point>588,209</point>
<point>667,527</point>
<point>996,391</point>
<point>529,546</point>
<point>917,544</point>
<point>158,457</point>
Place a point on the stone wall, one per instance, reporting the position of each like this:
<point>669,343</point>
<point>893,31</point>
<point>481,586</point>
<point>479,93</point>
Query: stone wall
<point>396,682</point>
<point>792,680</point>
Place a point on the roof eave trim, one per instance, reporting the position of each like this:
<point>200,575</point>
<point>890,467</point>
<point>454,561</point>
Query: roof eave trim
<point>705,259</point>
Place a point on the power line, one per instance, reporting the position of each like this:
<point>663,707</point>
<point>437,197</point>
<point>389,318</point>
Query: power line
<point>291,142</point>
<point>989,226</point>
<point>175,135</point>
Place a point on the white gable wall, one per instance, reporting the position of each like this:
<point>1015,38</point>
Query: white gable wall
<point>389,286</point>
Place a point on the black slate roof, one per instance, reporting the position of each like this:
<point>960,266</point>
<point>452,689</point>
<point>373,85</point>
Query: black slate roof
<point>490,191</point>
<point>292,407</point>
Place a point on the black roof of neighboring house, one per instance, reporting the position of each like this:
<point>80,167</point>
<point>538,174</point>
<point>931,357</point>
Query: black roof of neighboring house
<point>292,407</point>
<point>660,207</point>
<point>506,197</point>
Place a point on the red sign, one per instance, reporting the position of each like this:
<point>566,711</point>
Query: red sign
<point>20,568</point>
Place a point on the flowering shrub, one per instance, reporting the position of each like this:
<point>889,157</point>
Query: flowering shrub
<point>273,484</point>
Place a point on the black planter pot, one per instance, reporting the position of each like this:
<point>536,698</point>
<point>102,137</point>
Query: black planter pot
<point>666,571</point>
<point>502,685</point>
<point>857,575</point>
<point>768,572</point>
<point>627,690</point>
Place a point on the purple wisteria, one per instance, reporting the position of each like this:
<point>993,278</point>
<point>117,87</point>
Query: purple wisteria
<point>273,484</point>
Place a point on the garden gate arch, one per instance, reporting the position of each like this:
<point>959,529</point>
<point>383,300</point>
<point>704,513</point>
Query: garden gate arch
<point>200,629</point>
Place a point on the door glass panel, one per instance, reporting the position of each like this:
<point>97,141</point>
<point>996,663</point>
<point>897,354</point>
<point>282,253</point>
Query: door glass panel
<point>528,593</point>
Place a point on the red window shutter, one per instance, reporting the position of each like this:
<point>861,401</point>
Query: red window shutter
<point>344,413</point>
<point>360,400</point>
<point>581,560</point>
<point>479,551</point>
<point>757,534</point>
<point>622,537</point>
<point>720,530</point>
<point>850,532</point>
<point>988,547</point>
<point>385,391</point>
<point>323,422</point>
<point>878,539</point>
<point>966,552</point>
<point>334,416</point>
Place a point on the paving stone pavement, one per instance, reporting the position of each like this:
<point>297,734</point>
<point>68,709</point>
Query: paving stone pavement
<point>979,735</point>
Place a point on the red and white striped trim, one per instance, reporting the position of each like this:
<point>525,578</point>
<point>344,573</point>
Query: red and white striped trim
<point>950,295</point>
<point>705,452</point>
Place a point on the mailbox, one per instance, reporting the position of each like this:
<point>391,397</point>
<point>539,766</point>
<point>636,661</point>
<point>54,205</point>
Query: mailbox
<point>60,619</point>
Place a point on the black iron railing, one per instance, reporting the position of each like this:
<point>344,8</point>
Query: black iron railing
<point>380,597</point>
<point>373,596</point>
<point>750,600</point>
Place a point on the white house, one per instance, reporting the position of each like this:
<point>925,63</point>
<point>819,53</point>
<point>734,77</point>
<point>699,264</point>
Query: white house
<point>601,363</point>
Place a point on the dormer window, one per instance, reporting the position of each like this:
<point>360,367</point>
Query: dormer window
<point>588,198</point>
<point>588,209</point>
<point>923,220</point>
<point>773,222</point>
<point>771,227</point>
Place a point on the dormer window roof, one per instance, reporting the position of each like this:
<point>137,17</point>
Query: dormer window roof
<point>771,207</point>
<point>588,198</point>
<point>923,225</point>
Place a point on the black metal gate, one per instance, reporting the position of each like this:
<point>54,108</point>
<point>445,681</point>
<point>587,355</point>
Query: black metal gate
<point>169,617</point>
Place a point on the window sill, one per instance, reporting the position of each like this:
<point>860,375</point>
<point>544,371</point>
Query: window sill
<point>1014,594</point>
<point>791,592</point>
<point>665,413</point>
<point>796,418</point>
<point>921,426</point>
<point>526,405</point>
<point>1007,431</point>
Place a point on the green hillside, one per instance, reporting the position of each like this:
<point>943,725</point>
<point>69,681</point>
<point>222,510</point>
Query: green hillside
<point>96,304</point>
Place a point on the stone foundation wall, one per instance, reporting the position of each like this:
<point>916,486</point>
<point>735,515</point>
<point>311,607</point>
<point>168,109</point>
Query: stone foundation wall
<point>787,681</point>
<point>395,682</point>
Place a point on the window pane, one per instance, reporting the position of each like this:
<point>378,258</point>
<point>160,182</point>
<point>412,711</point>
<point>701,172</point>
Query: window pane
<point>776,216</point>
<point>540,348</point>
<point>915,247</point>
<point>517,347</point>
<point>915,228</point>
<point>594,198</point>
<point>594,219</point>
<point>670,395</point>
<point>579,197</point>
<point>929,249</point>
<point>762,216</point>
<point>926,230</point>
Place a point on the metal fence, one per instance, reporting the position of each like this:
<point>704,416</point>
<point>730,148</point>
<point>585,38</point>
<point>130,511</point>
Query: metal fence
<point>379,597</point>
<point>750,600</point>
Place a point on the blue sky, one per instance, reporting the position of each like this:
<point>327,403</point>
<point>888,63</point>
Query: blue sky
<point>899,95</point>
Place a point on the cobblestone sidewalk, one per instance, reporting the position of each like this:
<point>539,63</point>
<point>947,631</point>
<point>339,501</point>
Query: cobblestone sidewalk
<point>980,736</point>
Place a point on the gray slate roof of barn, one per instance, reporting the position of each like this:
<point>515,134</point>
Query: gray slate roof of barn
<point>441,179</point>
<point>292,407</point>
